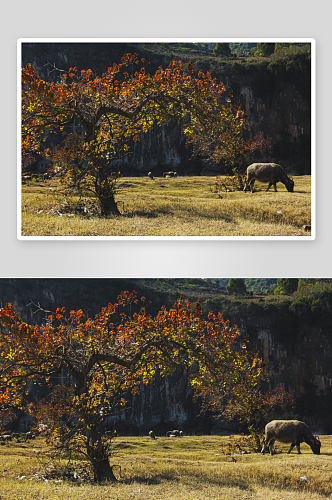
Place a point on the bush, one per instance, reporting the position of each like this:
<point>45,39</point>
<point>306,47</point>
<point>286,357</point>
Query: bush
<point>236,286</point>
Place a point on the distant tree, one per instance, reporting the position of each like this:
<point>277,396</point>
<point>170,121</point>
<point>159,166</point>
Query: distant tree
<point>270,290</point>
<point>284,46</point>
<point>222,50</point>
<point>265,49</point>
<point>236,286</point>
<point>286,286</point>
<point>213,281</point>
<point>202,46</point>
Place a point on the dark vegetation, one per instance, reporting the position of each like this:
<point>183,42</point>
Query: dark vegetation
<point>312,299</point>
<point>265,71</point>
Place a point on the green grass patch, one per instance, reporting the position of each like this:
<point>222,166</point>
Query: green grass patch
<point>184,206</point>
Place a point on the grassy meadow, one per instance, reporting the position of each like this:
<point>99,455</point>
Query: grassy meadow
<point>188,468</point>
<point>184,206</point>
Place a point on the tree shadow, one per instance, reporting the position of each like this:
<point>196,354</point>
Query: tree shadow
<point>146,215</point>
<point>190,478</point>
<point>168,212</point>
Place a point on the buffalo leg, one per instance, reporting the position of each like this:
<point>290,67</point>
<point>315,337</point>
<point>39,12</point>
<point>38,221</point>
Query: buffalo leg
<point>291,447</point>
<point>271,446</point>
<point>265,448</point>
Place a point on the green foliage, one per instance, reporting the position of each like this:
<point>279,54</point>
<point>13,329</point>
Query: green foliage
<point>263,286</point>
<point>236,286</point>
<point>286,286</point>
<point>289,49</point>
<point>239,68</point>
<point>313,301</point>
<point>293,65</point>
<point>222,50</point>
<point>204,64</point>
<point>242,49</point>
<point>264,49</point>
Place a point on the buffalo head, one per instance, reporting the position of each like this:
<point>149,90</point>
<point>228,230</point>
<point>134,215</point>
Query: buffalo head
<point>289,184</point>
<point>315,445</point>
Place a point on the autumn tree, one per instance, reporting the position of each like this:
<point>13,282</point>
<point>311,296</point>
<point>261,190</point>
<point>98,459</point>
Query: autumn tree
<point>95,119</point>
<point>102,359</point>
<point>101,115</point>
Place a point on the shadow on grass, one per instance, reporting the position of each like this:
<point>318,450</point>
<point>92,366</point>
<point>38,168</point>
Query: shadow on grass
<point>147,215</point>
<point>169,212</point>
<point>191,477</point>
<point>195,479</point>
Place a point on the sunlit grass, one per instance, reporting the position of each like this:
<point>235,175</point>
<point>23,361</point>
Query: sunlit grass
<point>184,206</point>
<point>192,467</point>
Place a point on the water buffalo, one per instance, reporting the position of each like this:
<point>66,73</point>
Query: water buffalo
<point>29,435</point>
<point>150,175</point>
<point>5,438</point>
<point>170,174</point>
<point>289,431</point>
<point>111,434</point>
<point>152,435</point>
<point>267,172</point>
<point>175,433</point>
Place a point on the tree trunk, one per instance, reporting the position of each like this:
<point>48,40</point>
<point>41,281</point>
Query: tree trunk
<point>97,448</point>
<point>108,206</point>
<point>103,471</point>
<point>104,189</point>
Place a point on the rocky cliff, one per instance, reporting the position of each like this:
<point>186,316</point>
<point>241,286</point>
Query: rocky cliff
<point>276,97</point>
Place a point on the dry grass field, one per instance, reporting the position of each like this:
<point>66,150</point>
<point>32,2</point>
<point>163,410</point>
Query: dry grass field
<point>184,206</point>
<point>188,468</point>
